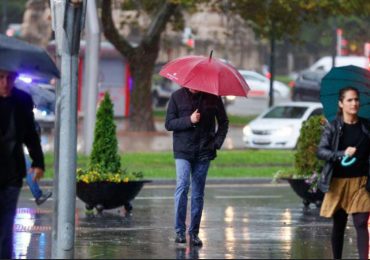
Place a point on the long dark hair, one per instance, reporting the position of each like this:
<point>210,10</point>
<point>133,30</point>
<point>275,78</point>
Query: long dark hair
<point>341,95</point>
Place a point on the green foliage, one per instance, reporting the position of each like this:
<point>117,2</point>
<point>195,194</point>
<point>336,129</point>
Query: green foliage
<point>284,18</point>
<point>306,161</point>
<point>15,10</point>
<point>318,38</point>
<point>244,163</point>
<point>105,145</point>
<point>104,160</point>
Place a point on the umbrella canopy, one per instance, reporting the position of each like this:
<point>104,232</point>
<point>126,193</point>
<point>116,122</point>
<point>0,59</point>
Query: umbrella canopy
<point>341,77</point>
<point>19,56</point>
<point>206,74</point>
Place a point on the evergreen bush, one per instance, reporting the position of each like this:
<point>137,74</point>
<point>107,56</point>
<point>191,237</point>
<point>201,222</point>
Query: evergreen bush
<point>104,160</point>
<point>105,146</point>
<point>306,161</point>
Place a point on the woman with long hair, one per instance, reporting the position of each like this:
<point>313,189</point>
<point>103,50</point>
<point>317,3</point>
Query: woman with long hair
<point>345,185</point>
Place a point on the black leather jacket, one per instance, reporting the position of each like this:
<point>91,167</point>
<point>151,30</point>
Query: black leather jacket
<point>328,148</point>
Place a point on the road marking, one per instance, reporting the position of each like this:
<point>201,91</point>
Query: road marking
<point>250,197</point>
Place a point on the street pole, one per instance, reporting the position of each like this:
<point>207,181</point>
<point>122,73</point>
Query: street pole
<point>68,18</point>
<point>91,75</point>
<point>272,65</point>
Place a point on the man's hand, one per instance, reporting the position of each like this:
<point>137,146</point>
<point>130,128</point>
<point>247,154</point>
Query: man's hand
<point>350,151</point>
<point>195,117</point>
<point>38,173</point>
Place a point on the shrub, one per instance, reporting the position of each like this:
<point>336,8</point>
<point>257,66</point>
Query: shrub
<point>104,160</point>
<point>306,163</point>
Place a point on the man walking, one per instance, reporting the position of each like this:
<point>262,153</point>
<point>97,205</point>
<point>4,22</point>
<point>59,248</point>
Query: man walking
<point>17,127</point>
<point>192,116</point>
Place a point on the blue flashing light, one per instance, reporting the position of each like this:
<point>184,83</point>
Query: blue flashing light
<point>25,79</point>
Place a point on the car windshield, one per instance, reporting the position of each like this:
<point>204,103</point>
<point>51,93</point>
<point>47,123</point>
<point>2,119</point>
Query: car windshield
<point>291,112</point>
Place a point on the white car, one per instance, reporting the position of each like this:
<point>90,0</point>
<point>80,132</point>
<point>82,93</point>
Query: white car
<point>326,63</point>
<point>260,85</point>
<point>279,127</point>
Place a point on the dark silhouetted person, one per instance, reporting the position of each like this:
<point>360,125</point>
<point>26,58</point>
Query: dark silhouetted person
<point>192,117</point>
<point>17,128</point>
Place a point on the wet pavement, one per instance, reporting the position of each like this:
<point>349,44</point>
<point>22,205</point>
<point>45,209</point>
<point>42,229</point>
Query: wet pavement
<point>246,220</point>
<point>161,140</point>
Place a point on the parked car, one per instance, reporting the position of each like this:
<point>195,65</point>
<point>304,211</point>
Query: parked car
<point>162,90</point>
<point>326,63</point>
<point>260,85</point>
<point>307,86</point>
<point>43,96</point>
<point>279,127</point>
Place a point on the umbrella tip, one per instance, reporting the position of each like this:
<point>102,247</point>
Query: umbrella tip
<point>210,55</point>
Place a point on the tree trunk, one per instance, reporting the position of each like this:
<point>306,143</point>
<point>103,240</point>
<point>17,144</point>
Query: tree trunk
<point>142,67</point>
<point>141,60</point>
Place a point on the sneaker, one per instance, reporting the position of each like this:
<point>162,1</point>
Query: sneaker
<point>195,240</point>
<point>43,198</point>
<point>180,238</point>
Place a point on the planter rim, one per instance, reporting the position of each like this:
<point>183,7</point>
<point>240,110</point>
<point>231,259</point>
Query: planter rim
<point>141,181</point>
<point>289,178</point>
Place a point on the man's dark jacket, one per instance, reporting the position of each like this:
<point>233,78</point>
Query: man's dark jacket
<point>328,148</point>
<point>12,163</point>
<point>196,141</point>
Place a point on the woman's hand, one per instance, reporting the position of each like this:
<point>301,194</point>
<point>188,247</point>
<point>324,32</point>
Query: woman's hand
<point>350,151</point>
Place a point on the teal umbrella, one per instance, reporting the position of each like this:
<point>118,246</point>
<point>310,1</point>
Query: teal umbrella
<point>333,82</point>
<point>341,77</point>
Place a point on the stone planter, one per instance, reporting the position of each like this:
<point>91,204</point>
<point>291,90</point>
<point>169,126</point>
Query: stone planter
<point>301,188</point>
<point>108,195</point>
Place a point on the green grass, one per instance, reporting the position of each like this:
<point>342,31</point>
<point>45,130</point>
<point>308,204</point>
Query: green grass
<point>228,164</point>
<point>160,115</point>
<point>283,78</point>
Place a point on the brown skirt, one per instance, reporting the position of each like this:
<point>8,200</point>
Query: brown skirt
<point>348,194</point>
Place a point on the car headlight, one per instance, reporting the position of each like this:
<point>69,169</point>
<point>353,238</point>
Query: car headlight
<point>247,130</point>
<point>284,131</point>
<point>230,98</point>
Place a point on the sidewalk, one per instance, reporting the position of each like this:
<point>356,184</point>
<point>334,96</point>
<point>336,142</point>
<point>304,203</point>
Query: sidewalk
<point>240,220</point>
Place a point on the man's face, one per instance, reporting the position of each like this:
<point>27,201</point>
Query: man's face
<point>6,83</point>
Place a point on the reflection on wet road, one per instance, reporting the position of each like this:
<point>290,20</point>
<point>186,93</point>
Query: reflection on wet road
<point>239,221</point>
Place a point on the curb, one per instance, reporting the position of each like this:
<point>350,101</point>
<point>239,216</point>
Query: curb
<point>49,182</point>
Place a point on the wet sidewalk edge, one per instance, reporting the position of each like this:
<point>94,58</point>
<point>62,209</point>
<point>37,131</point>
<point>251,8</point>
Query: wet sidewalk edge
<point>49,182</point>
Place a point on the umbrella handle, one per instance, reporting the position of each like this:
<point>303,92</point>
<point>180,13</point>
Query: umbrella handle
<point>346,163</point>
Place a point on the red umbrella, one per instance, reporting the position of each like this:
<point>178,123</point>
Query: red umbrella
<point>206,74</point>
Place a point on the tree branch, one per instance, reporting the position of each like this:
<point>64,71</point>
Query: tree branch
<point>159,22</point>
<point>111,32</point>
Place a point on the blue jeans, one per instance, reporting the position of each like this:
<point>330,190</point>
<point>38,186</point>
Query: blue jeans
<point>8,206</point>
<point>198,171</point>
<point>33,185</point>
